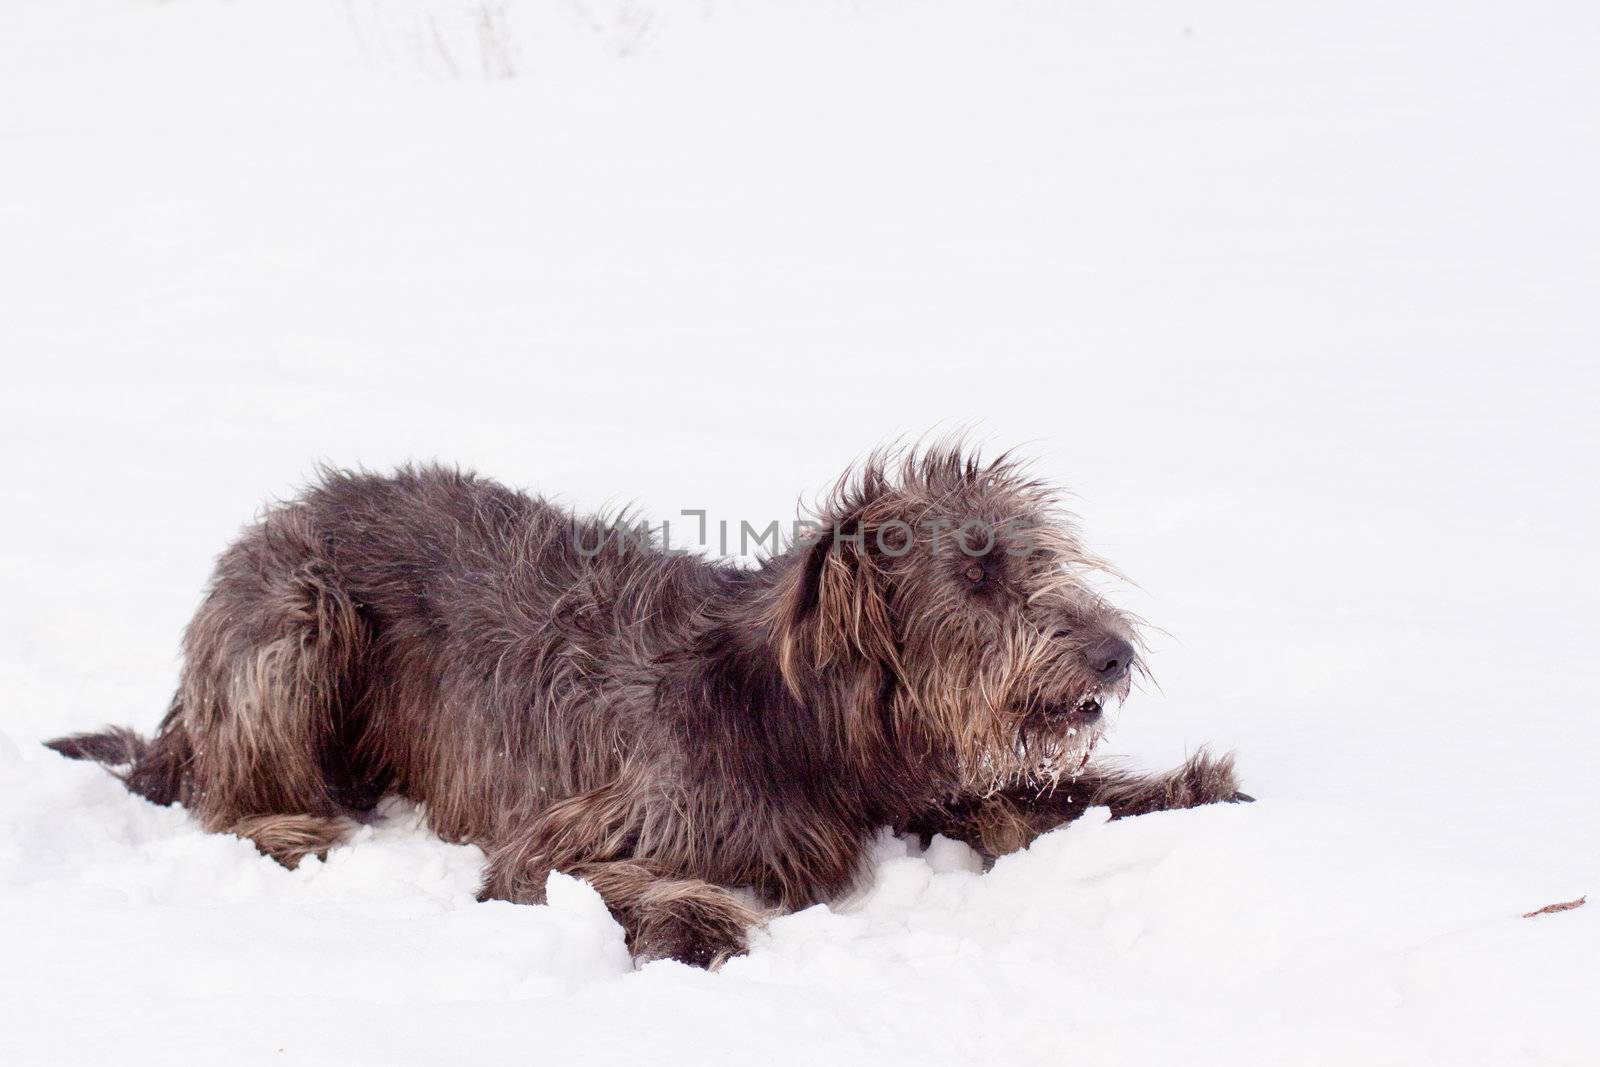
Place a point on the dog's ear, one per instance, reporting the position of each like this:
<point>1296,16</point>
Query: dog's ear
<point>831,606</point>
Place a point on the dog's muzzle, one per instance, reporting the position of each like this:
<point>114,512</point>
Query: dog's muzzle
<point>1086,710</point>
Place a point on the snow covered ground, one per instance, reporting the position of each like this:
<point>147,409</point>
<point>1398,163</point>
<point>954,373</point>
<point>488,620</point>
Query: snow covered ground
<point>1301,299</point>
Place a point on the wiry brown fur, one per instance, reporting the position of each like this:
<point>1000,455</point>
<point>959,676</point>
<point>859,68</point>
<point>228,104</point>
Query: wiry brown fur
<point>1009,820</point>
<point>690,737</point>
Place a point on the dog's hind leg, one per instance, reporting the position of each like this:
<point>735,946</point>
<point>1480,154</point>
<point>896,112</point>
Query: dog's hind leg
<point>272,665</point>
<point>290,838</point>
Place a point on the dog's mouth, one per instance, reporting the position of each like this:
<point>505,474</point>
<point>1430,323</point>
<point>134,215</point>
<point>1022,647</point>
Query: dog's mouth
<point>1056,739</point>
<point>1059,737</point>
<point>1086,710</point>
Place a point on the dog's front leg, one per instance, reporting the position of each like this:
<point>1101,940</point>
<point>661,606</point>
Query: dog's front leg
<point>1202,779</point>
<point>1006,821</point>
<point>683,919</point>
<point>663,917</point>
<point>1003,822</point>
<point>663,914</point>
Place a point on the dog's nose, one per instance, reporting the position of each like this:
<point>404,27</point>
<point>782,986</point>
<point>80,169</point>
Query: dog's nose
<point>1110,659</point>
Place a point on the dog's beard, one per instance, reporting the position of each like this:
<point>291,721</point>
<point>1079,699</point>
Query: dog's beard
<point>1061,747</point>
<point>1048,747</point>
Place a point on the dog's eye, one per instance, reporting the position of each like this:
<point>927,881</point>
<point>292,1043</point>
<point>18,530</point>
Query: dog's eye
<point>974,573</point>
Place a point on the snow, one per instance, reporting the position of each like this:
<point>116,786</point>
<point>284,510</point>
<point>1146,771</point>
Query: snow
<point>1299,300</point>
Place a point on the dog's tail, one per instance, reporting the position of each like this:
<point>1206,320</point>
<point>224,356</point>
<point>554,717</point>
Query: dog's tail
<point>153,768</point>
<point>115,746</point>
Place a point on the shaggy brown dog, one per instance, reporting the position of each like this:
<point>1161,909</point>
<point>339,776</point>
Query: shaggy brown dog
<point>694,739</point>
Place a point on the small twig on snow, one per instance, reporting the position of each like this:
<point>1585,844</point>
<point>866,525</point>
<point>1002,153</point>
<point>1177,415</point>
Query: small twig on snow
<point>1551,909</point>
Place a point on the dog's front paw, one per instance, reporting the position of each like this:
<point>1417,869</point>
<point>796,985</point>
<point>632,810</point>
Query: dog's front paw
<point>1203,779</point>
<point>704,930</point>
<point>1207,779</point>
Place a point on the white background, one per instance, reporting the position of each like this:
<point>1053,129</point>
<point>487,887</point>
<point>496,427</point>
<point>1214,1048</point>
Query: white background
<point>1300,300</point>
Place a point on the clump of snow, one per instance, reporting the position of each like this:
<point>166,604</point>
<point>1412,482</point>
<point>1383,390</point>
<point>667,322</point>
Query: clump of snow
<point>1300,302</point>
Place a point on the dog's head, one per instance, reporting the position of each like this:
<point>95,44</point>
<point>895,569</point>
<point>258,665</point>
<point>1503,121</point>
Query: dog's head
<point>944,602</point>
